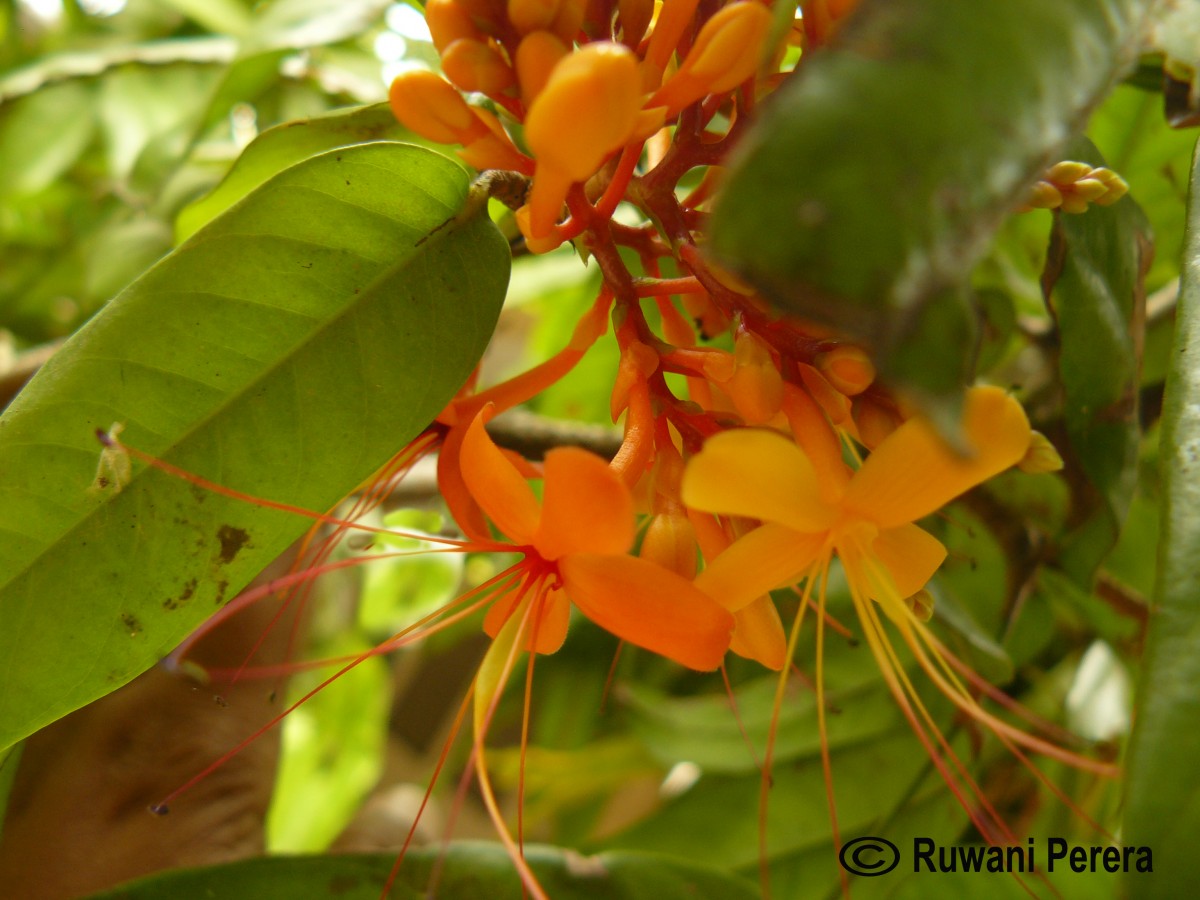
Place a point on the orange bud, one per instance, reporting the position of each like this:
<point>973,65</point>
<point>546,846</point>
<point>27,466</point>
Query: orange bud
<point>586,110</point>
<point>847,368</point>
<point>756,386</point>
<point>670,542</point>
<point>673,18</point>
<point>537,56</point>
<point>725,54</point>
<point>477,66</point>
<point>875,421</point>
<point>634,17</point>
<point>492,148</point>
<point>531,15</point>
<point>449,21</point>
<point>569,20</point>
<point>429,105</point>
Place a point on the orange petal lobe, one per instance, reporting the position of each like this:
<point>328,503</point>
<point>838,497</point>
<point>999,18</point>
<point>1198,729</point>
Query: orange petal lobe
<point>649,606</point>
<point>914,472</point>
<point>586,507</point>
<point>756,473</point>
<point>496,484</point>
<point>768,557</point>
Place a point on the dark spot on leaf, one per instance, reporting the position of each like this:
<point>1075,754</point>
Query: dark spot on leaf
<point>184,596</point>
<point>102,482</point>
<point>232,541</point>
<point>199,493</point>
<point>222,587</point>
<point>131,623</point>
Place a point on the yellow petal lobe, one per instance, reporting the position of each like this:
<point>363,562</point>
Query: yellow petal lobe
<point>914,472</point>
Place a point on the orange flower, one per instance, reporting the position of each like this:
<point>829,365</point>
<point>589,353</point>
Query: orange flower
<point>576,544</point>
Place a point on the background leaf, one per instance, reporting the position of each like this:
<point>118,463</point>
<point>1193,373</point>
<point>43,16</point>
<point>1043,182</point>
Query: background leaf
<point>288,350</point>
<point>1163,786</point>
<point>879,242</point>
<point>1094,284</point>
<point>470,871</point>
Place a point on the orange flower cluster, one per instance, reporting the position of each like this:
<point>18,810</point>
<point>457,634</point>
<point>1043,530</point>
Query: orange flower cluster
<point>579,106</point>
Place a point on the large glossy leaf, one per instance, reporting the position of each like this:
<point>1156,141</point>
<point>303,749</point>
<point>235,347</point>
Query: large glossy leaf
<point>469,871</point>
<point>950,110</point>
<point>288,349</point>
<point>1163,788</point>
<point>285,145</point>
<point>1094,284</point>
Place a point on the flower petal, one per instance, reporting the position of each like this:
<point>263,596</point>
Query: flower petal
<point>756,473</point>
<point>769,557</point>
<point>496,484</point>
<point>911,555</point>
<point>914,471</point>
<point>551,631</point>
<point>649,606</point>
<point>758,634</point>
<point>586,507</point>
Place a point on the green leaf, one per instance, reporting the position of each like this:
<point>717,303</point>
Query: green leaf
<point>1163,785</point>
<point>285,145</point>
<point>470,870</point>
<point>1094,281</point>
<point>287,350</point>
<point>879,242</point>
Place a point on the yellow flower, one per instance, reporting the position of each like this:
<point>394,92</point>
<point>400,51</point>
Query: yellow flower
<point>763,475</point>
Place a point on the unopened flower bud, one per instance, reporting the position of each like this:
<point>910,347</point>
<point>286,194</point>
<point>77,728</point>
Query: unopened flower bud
<point>569,20</point>
<point>875,421</point>
<point>670,542</point>
<point>537,55</point>
<point>1067,172</point>
<point>429,105</point>
<point>477,66</point>
<point>531,15</point>
<point>1041,457</point>
<point>448,22</point>
<point>756,387</point>
<point>847,368</point>
<point>725,54</point>
<point>634,17</point>
<point>921,605</point>
<point>587,110</point>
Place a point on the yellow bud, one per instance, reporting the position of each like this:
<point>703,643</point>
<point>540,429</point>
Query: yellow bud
<point>1067,172</point>
<point>1074,204</point>
<point>537,56</point>
<point>544,243</point>
<point>921,605</point>
<point>1041,457</point>
<point>1115,184</point>
<point>847,368</point>
<point>531,15</point>
<point>1090,189</point>
<point>725,54</point>
<point>670,542</point>
<point>477,66</point>
<point>586,110</point>
<point>1044,195</point>
<point>429,105</point>
<point>448,22</point>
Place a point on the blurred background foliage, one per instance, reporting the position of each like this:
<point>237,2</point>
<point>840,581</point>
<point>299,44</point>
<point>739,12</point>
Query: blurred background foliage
<point>125,125</point>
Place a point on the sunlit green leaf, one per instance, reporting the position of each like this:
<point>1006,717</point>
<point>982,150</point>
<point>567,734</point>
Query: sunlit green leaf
<point>285,145</point>
<point>288,350</point>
